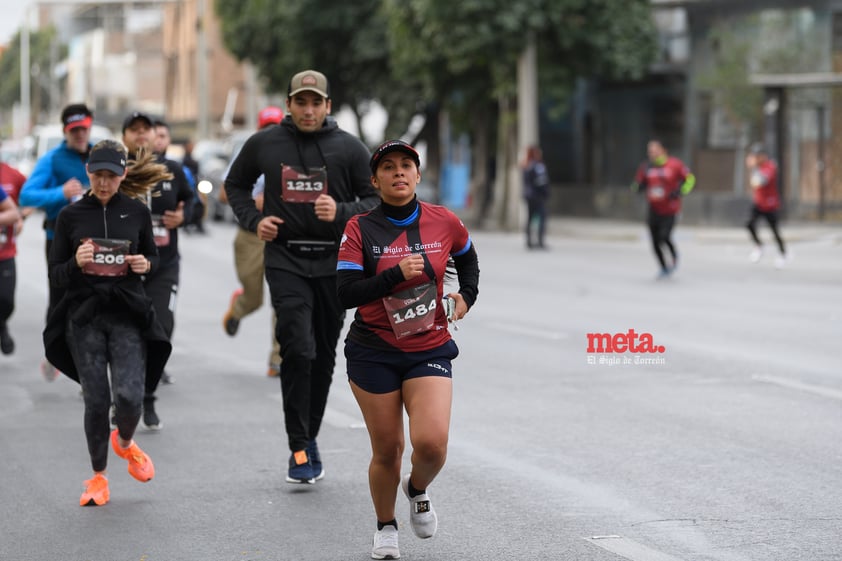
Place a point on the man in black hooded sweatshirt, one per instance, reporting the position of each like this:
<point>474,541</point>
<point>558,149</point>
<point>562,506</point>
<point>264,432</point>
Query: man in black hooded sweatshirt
<point>316,178</point>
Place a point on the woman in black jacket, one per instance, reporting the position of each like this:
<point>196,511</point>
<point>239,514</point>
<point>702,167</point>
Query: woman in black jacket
<point>102,318</point>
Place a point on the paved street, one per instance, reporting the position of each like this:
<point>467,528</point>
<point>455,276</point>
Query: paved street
<point>723,447</point>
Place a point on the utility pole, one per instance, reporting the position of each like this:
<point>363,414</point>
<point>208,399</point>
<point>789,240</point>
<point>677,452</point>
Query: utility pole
<point>25,74</point>
<point>201,72</point>
<point>820,163</point>
<point>527,130</point>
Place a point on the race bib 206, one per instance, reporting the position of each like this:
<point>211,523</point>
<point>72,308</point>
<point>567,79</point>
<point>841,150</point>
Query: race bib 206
<point>109,258</point>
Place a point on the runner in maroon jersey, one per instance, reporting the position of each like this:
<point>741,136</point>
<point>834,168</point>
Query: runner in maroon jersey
<point>763,178</point>
<point>11,224</point>
<point>665,180</point>
<point>391,267</point>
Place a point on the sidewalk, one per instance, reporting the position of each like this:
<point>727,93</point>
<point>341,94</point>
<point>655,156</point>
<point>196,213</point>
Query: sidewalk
<point>605,229</point>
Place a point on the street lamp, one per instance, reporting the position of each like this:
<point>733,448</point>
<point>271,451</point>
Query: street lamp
<point>25,89</point>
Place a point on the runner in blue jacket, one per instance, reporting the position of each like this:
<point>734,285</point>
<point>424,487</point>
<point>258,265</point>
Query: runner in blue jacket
<point>58,179</point>
<point>59,176</point>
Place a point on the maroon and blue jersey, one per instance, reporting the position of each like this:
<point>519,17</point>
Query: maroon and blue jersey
<point>663,185</point>
<point>374,244</point>
<point>11,182</point>
<point>764,183</point>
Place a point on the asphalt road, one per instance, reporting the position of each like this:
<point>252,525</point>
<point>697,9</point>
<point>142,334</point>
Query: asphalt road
<point>724,447</point>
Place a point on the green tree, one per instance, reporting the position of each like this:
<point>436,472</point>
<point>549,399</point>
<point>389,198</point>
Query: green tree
<point>768,44</point>
<point>727,76</point>
<point>40,44</point>
<point>472,46</point>
<point>466,54</point>
<point>432,56</point>
<point>344,40</point>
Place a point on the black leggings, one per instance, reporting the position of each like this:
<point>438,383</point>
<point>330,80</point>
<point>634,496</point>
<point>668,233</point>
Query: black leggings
<point>108,340</point>
<point>536,220</point>
<point>660,228</point>
<point>8,281</point>
<point>772,218</point>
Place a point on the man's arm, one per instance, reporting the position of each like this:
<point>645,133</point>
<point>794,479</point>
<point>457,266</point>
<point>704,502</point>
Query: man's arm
<point>639,181</point>
<point>239,182</point>
<point>62,267</point>
<point>9,213</point>
<point>359,177</point>
<point>688,181</point>
<point>185,191</point>
<point>40,190</point>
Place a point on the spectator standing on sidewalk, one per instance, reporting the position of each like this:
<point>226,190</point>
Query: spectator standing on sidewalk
<point>763,178</point>
<point>664,179</point>
<point>248,261</point>
<point>536,191</point>
<point>168,201</point>
<point>59,178</point>
<point>317,178</point>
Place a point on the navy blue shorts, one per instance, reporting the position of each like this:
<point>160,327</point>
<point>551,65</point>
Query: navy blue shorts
<point>384,371</point>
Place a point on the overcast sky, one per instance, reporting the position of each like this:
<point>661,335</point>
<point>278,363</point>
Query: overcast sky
<point>11,17</point>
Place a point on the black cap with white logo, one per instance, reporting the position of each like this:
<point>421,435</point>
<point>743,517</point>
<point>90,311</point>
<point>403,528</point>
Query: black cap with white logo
<point>107,158</point>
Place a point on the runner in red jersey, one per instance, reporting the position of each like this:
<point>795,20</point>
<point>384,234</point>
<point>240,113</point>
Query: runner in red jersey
<point>392,265</point>
<point>763,178</point>
<point>665,180</point>
<point>11,224</point>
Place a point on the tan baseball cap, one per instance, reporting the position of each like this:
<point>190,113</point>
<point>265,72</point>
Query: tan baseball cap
<point>309,80</point>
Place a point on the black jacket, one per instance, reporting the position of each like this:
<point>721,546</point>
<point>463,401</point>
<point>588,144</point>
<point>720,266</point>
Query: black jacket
<point>165,196</point>
<point>345,158</point>
<point>83,296</point>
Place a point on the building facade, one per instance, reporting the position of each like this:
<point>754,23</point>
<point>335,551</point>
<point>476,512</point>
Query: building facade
<point>165,58</point>
<point>729,73</point>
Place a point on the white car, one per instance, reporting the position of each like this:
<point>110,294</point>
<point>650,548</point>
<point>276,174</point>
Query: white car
<point>46,137</point>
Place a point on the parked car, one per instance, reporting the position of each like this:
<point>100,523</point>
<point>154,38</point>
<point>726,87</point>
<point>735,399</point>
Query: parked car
<point>46,137</point>
<point>12,152</point>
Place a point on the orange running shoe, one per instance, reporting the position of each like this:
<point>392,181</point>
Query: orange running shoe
<point>140,465</point>
<point>96,491</point>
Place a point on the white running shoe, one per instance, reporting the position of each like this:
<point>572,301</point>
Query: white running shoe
<point>385,544</point>
<point>755,255</point>
<point>422,516</point>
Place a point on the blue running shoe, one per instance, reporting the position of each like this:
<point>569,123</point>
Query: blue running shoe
<point>315,459</point>
<point>300,468</point>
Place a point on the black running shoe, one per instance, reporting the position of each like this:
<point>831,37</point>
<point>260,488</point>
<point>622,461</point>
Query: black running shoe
<point>7,344</point>
<point>150,417</point>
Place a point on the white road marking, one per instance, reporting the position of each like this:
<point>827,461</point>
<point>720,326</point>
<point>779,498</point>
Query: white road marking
<point>796,385</point>
<point>629,549</point>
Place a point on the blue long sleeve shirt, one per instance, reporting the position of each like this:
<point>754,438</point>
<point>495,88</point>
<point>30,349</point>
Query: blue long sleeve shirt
<point>43,189</point>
